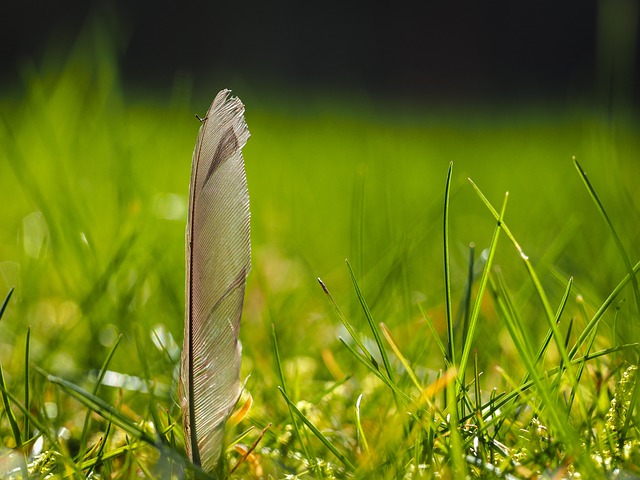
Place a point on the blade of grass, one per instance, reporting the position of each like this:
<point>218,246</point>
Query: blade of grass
<point>581,366</point>
<point>15,429</point>
<point>347,324</point>
<point>372,324</point>
<point>99,406</point>
<point>33,419</point>
<point>433,331</point>
<point>550,316</point>
<point>361,436</point>
<point>27,362</point>
<point>484,279</point>
<point>614,233</point>
<point>115,416</point>
<point>362,359</point>
<point>323,393</point>
<point>503,399</point>
<point>401,357</point>
<point>527,357</point>
<point>451,357</point>
<point>317,432</point>
<point>525,258</point>
<point>100,451</point>
<point>306,446</point>
<point>139,334</point>
<point>456,454</point>
<point>6,301</point>
<point>87,418</point>
<point>467,293</point>
<point>603,308</point>
<point>630,271</point>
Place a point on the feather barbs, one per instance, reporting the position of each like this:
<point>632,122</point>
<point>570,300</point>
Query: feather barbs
<point>218,259</point>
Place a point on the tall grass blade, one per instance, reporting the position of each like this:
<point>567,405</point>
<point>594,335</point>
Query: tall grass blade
<point>526,356</point>
<point>630,271</point>
<point>484,279</point>
<point>294,421</point>
<point>372,324</point>
<point>451,357</point>
<point>590,344</point>
<point>27,390</point>
<point>549,314</point>
<point>614,233</point>
<point>456,450</point>
<point>467,294</point>
<point>525,258</point>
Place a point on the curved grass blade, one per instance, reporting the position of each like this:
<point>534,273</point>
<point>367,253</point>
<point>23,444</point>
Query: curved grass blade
<point>6,301</point>
<point>100,407</point>
<point>361,436</point>
<point>614,233</point>
<point>115,416</point>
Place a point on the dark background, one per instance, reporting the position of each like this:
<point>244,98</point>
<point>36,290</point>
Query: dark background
<point>452,50</point>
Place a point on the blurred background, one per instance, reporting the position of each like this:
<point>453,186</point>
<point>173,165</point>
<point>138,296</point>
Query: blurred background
<point>355,111</point>
<point>444,52</point>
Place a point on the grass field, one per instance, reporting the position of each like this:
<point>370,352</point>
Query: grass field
<point>93,194</point>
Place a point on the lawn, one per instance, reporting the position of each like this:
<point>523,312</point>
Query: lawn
<point>94,180</point>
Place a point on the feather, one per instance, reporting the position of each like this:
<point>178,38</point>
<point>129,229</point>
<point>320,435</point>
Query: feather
<point>218,259</point>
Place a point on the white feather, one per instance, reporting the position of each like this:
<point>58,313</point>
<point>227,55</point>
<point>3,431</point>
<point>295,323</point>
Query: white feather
<point>218,259</point>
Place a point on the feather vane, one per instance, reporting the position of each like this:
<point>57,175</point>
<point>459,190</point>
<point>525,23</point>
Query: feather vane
<point>218,259</point>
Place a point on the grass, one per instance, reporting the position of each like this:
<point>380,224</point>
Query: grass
<point>420,357</point>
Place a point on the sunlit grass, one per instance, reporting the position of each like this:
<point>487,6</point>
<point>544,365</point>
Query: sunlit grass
<point>532,369</point>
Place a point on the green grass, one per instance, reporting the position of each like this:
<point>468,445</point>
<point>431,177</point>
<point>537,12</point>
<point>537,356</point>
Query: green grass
<point>520,361</point>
